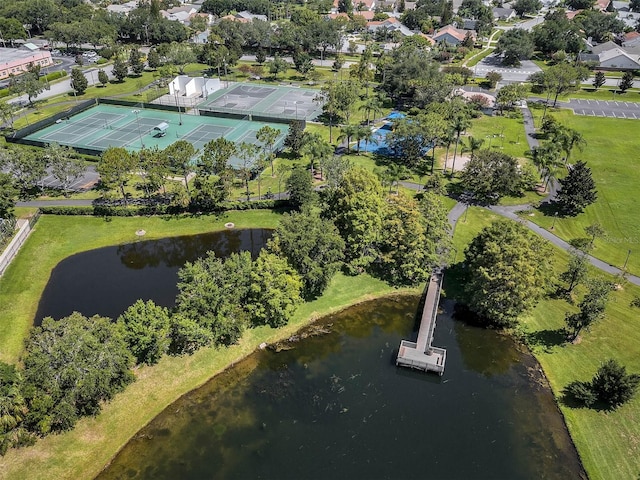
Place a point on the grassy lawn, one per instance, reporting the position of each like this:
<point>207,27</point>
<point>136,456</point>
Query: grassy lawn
<point>83,452</point>
<point>611,153</point>
<point>500,133</point>
<point>607,441</point>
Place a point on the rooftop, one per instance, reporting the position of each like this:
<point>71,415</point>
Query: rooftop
<point>8,55</point>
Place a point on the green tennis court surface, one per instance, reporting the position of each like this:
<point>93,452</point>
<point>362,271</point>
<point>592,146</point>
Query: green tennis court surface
<point>265,100</point>
<point>104,126</point>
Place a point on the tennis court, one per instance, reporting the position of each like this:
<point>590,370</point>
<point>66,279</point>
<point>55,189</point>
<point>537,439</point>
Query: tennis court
<point>265,101</point>
<point>104,126</point>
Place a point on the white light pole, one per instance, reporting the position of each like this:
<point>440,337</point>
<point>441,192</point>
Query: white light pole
<point>136,112</point>
<point>175,93</point>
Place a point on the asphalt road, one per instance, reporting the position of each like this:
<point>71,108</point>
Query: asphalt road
<point>493,63</point>
<point>64,86</point>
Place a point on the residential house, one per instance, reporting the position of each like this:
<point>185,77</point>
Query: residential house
<point>244,17</point>
<point>504,14</point>
<point>452,35</point>
<point>602,5</point>
<point>179,14</point>
<point>392,24</point>
<point>123,8</point>
<point>610,56</point>
<point>631,39</point>
<point>618,59</point>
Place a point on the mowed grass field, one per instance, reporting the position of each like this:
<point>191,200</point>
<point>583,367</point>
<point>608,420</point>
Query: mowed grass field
<point>612,155</point>
<point>608,442</point>
<point>84,451</point>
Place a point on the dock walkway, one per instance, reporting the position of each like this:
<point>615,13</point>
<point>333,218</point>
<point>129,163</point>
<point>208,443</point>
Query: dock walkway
<point>421,355</point>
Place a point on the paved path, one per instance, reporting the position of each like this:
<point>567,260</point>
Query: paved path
<point>510,212</point>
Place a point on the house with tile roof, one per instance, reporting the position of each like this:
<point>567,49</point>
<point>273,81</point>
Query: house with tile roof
<point>452,35</point>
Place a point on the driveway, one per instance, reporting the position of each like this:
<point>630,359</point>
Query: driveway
<point>493,63</point>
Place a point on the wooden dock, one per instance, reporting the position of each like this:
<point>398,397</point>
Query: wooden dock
<point>421,355</point>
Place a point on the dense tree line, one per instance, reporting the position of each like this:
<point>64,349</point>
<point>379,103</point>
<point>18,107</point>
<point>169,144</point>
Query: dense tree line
<point>27,167</point>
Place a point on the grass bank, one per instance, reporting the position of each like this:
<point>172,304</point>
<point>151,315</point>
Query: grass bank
<point>83,452</point>
<point>612,155</point>
<point>57,237</point>
<point>608,442</point>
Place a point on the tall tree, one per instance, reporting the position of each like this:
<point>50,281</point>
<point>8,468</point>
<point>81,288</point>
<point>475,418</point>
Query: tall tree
<point>135,62</point>
<point>599,79</point>
<point>71,367</point>
<point>120,69</point>
<point>508,271</point>
<point>145,328</point>
<point>576,271</point>
<point>78,81</point>
<point>312,246</point>
<point>65,168</point>
<point>267,136</point>
<point>577,190</point>
<point>275,290</point>
<point>8,195</point>
<point>28,168</point>
<point>626,82</point>
<point>317,149</point>
<point>213,294</point>
<point>491,175</point>
<point>115,167</point>
<point>356,205</point>
<point>180,155</point>
<point>215,157</point>
<point>592,307</point>
<point>247,153</point>
<point>405,257</point>
<point>295,137</point>
<point>515,45</point>
<point>300,188</point>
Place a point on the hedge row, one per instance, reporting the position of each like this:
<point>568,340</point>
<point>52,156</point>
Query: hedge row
<point>132,211</point>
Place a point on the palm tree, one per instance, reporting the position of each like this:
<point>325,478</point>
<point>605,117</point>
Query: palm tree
<point>394,173</point>
<point>369,137</point>
<point>546,158</point>
<point>446,140</point>
<point>473,144</point>
<point>348,131</point>
<point>317,149</point>
<point>361,132</point>
<point>371,105</point>
<point>460,124</point>
<point>569,138</point>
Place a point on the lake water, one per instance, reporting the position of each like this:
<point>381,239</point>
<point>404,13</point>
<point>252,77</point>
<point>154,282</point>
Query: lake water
<point>107,281</point>
<point>335,406</point>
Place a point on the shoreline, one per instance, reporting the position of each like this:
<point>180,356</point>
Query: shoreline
<point>273,340</point>
<point>51,452</point>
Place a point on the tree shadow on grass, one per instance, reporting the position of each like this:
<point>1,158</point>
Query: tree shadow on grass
<point>546,339</point>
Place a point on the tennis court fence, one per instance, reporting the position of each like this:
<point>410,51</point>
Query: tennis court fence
<point>222,112</point>
<point>46,122</point>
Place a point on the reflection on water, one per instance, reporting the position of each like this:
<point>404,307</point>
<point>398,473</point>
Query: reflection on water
<point>335,406</point>
<point>108,280</point>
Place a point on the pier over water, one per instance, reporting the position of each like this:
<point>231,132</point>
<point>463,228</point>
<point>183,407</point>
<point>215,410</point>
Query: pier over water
<point>420,354</point>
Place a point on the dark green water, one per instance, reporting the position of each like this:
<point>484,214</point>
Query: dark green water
<point>335,406</point>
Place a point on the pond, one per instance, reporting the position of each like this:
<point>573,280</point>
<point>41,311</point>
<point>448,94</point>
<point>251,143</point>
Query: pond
<point>106,281</point>
<point>335,406</point>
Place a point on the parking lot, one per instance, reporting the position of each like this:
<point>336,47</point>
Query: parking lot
<point>602,108</point>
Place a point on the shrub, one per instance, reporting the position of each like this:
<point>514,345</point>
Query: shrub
<point>610,387</point>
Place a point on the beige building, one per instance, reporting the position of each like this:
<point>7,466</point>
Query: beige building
<point>14,61</point>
